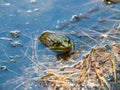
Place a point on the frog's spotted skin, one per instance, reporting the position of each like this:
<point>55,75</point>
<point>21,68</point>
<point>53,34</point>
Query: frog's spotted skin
<point>56,42</point>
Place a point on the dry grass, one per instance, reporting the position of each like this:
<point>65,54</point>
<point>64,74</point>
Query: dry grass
<point>93,70</point>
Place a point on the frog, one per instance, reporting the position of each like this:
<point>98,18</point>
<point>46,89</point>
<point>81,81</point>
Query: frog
<point>56,42</point>
<point>61,44</point>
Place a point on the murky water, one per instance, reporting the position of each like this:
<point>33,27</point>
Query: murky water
<point>87,23</point>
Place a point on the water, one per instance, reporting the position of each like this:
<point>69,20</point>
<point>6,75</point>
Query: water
<point>25,57</point>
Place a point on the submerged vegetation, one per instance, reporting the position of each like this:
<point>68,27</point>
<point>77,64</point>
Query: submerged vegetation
<point>94,71</point>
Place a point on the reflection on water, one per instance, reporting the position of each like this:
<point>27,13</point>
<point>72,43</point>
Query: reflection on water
<point>22,57</point>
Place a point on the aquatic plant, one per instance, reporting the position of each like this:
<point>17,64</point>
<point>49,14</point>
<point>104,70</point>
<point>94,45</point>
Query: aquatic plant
<point>93,70</point>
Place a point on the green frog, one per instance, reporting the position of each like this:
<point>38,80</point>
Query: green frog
<point>56,42</point>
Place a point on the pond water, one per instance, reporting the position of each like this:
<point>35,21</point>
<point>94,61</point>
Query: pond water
<point>87,23</point>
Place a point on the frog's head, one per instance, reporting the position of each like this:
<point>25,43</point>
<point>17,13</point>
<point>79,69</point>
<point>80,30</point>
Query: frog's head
<point>62,45</point>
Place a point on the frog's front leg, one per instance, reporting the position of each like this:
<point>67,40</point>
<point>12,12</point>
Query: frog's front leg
<point>68,56</point>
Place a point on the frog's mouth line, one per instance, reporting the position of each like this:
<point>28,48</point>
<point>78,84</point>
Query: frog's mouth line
<point>57,49</point>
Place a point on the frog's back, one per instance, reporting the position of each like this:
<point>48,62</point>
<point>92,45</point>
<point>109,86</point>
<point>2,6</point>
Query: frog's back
<point>56,42</point>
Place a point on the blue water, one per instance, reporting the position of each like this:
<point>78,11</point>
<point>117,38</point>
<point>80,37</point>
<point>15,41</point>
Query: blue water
<point>31,18</point>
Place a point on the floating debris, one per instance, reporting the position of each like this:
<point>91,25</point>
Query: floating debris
<point>7,4</point>
<point>12,60</point>
<point>102,21</point>
<point>109,2</point>
<point>29,11</point>
<point>15,33</point>
<point>63,24</point>
<point>17,56</point>
<point>56,42</point>
<point>16,44</point>
<point>95,9</point>
<point>117,27</point>
<point>76,18</point>
<point>94,71</point>
<point>11,57</point>
<point>36,10</point>
<point>3,68</point>
<point>5,38</point>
